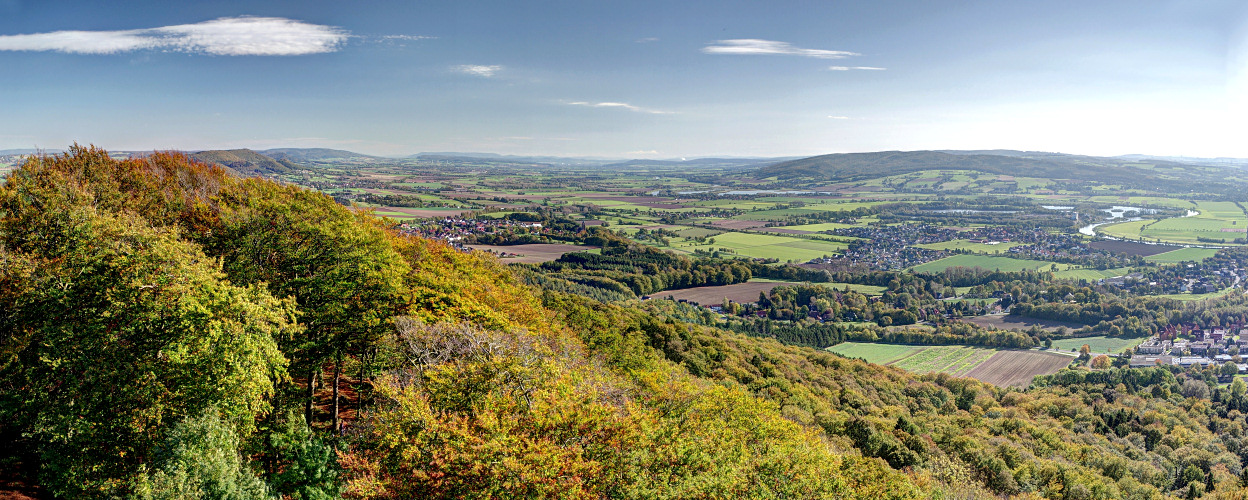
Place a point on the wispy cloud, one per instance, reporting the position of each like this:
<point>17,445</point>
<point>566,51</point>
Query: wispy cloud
<point>847,68</point>
<point>647,39</point>
<point>838,117</point>
<point>753,46</point>
<point>478,70</point>
<point>227,36</point>
<point>407,38</point>
<point>621,105</point>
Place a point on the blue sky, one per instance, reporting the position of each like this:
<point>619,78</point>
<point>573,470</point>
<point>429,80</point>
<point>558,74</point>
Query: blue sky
<point>628,79</point>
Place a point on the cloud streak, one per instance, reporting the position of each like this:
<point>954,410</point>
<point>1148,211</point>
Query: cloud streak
<point>478,70</point>
<point>847,68</point>
<point>621,105</point>
<point>754,46</point>
<point>227,36</point>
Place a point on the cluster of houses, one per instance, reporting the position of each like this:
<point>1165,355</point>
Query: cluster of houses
<point>1205,348</point>
<point>453,230</point>
<point>1194,278</point>
<point>893,247</point>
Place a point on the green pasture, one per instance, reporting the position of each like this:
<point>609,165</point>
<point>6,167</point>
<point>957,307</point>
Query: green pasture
<point>816,228</point>
<point>969,246</point>
<point>1186,297</point>
<point>1217,220</point>
<point>984,261</point>
<point>1090,274</point>
<point>854,287</point>
<point>874,353</point>
<point>1097,344</point>
<point>1182,255</point>
<point>421,185</point>
<point>765,246</point>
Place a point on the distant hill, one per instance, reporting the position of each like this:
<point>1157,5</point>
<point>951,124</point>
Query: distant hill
<point>245,161</point>
<point>302,155</point>
<point>699,162</point>
<point>599,162</point>
<point>21,152</point>
<point>1190,160</point>
<point>851,167</point>
<point>494,157</point>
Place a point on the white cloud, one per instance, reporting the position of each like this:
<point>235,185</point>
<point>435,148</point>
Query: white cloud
<point>408,38</point>
<point>647,39</point>
<point>621,105</point>
<point>847,68</point>
<point>478,70</point>
<point>227,36</point>
<point>837,117</point>
<point>753,46</point>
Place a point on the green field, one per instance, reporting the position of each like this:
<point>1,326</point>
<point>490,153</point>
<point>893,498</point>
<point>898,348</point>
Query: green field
<point>968,245</point>
<point>863,289</point>
<point>874,353</point>
<point>764,246</point>
<point>815,228</point>
<point>984,261</point>
<point>1182,255</point>
<point>1090,274</point>
<point>1097,344</point>
<point>1126,230</point>
<point>1218,220</point>
<point>1197,296</point>
<point>951,359</point>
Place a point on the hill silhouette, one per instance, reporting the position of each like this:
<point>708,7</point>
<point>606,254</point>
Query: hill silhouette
<point>850,167</point>
<point>244,162</point>
<point>303,155</point>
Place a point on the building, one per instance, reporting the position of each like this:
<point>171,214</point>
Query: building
<point>1149,361</point>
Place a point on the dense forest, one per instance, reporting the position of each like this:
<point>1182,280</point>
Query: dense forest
<point>168,330</point>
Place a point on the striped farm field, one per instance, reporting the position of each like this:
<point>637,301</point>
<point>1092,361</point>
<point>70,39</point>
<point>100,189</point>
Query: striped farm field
<point>1017,368</point>
<point>999,367</point>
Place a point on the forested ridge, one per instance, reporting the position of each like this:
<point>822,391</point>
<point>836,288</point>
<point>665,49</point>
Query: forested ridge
<point>168,330</point>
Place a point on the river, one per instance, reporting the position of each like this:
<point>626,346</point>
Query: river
<point>1090,230</point>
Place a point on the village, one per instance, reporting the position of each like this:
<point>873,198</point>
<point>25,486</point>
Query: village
<point>1189,346</point>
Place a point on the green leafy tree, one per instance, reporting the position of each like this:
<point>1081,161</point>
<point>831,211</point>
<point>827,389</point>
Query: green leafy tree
<point>113,328</point>
<point>339,267</point>
<point>309,469</point>
<point>200,460</point>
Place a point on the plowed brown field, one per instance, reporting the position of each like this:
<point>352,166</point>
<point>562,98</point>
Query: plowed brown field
<point>1017,368</point>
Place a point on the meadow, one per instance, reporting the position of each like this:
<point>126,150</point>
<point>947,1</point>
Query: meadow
<point>764,246</point>
<point>1182,255</point>
<point>986,262</point>
<point>1101,344</point>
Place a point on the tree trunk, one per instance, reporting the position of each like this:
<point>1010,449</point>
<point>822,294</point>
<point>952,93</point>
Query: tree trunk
<point>359,383</point>
<point>337,377</point>
<point>311,396</point>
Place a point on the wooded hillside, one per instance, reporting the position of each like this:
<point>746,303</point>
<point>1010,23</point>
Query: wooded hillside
<point>170,330</point>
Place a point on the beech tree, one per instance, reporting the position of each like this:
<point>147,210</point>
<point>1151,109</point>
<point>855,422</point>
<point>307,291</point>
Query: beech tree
<point>113,329</point>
